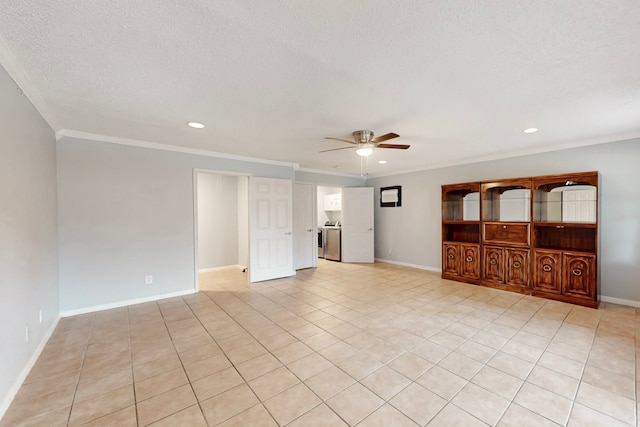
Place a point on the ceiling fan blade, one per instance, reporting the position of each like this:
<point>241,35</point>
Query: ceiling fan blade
<point>397,146</point>
<point>343,140</point>
<point>335,149</point>
<point>385,137</point>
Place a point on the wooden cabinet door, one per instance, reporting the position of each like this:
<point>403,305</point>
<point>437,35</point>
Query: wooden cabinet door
<point>470,261</point>
<point>579,275</point>
<point>492,265</point>
<point>517,267</point>
<point>451,258</point>
<point>546,271</point>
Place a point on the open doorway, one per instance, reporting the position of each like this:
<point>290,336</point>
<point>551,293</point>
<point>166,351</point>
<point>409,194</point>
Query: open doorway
<point>221,227</point>
<point>329,222</point>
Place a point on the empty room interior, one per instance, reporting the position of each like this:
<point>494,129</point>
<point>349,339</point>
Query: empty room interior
<point>385,213</point>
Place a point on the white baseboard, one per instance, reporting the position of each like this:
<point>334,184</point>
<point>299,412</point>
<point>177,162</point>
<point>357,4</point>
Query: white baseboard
<point>630,303</point>
<point>603,298</point>
<point>225,267</point>
<point>405,264</point>
<point>25,371</point>
<point>119,304</point>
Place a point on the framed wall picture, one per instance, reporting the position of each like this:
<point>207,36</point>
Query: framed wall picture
<point>391,197</point>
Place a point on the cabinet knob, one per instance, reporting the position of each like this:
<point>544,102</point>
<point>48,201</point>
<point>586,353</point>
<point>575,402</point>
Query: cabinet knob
<point>577,272</point>
<point>469,259</point>
<point>450,256</point>
<point>504,226</point>
<point>493,261</point>
<point>546,268</point>
<point>517,264</point>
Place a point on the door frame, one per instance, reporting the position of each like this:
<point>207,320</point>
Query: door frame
<point>314,220</point>
<point>196,171</point>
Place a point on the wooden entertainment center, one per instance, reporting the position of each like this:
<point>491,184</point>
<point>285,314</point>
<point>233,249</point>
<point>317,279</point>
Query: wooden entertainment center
<point>535,235</point>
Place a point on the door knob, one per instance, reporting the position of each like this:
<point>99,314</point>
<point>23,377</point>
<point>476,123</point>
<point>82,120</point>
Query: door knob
<point>309,230</point>
<point>371,229</point>
<point>288,233</point>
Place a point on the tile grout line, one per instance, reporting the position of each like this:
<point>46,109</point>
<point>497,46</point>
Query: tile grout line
<point>439,302</point>
<point>182,363</point>
<point>283,365</point>
<point>230,361</point>
<point>133,377</point>
<point>84,355</point>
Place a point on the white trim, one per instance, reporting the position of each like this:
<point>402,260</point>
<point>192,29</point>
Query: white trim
<point>31,92</point>
<point>224,267</point>
<point>125,303</point>
<point>508,155</point>
<point>217,172</point>
<point>629,302</point>
<point>69,133</point>
<point>196,276</point>
<point>323,172</point>
<point>11,394</point>
<point>406,264</point>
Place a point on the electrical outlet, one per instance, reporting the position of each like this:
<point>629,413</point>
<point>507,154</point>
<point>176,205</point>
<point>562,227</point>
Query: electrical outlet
<point>40,315</point>
<point>148,280</point>
<point>26,334</point>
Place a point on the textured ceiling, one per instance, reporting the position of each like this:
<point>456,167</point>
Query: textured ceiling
<point>457,79</point>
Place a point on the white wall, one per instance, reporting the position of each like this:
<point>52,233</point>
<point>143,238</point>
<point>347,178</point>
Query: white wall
<point>28,247</point>
<point>412,233</point>
<point>329,180</point>
<point>217,220</point>
<point>126,212</point>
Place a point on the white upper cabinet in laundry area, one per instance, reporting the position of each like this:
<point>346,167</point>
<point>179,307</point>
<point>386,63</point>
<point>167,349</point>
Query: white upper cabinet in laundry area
<point>333,202</point>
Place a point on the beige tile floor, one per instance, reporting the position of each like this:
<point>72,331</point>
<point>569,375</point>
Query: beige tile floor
<point>366,345</point>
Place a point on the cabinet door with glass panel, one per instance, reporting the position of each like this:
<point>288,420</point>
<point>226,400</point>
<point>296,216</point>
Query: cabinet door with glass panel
<point>461,231</point>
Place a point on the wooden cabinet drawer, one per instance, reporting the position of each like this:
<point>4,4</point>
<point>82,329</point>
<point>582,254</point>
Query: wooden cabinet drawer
<point>516,234</point>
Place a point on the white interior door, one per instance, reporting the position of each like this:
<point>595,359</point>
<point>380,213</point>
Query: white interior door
<point>357,224</point>
<point>271,239</point>
<point>304,244</point>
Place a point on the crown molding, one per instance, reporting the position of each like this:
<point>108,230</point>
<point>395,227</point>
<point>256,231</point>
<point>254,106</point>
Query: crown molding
<point>528,152</point>
<point>323,172</point>
<point>15,70</point>
<point>68,133</point>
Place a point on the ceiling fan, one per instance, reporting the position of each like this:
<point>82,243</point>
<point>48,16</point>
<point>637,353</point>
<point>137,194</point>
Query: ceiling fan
<point>365,142</point>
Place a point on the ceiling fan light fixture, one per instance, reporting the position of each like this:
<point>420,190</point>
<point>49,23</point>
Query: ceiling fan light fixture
<point>364,150</point>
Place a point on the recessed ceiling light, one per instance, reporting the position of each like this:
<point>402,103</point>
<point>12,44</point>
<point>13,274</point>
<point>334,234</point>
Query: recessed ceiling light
<point>195,125</point>
<point>382,162</point>
<point>530,130</point>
